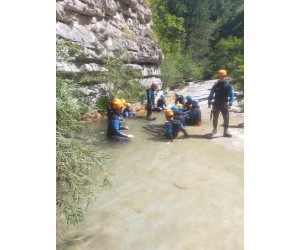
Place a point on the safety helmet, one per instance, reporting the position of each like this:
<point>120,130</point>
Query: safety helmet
<point>123,101</point>
<point>154,85</point>
<point>114,99</point>
<point>176,94</point>
<point>188,97</point>
<point>194,103</point>
<point>127,104</point>
<point>118,104</point>
<point>169,112</point>
<point>162,96</point>
<point>174,108</point>
<point>222,73</point>
<point>179,105</point>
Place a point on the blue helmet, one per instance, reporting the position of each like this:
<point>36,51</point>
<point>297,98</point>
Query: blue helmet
<point>188,97</point>
<point>174,108</point>
<point>195,103</point>
<point>162,96</point>
<point>176,94</point>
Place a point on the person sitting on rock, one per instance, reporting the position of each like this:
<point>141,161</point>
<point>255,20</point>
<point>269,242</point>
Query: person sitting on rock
<point>161,104</point>
<point>114,125</point>
<point>193,117</point>
<point>128,112</point>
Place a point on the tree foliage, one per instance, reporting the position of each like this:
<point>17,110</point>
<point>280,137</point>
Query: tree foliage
<point>196,38</point>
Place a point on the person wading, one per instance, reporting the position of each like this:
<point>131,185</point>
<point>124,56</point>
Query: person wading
<point>222,92</point>
<point>151,99</point>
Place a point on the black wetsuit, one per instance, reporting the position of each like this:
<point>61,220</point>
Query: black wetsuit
<point>222,92</point>
<point>150,101</point>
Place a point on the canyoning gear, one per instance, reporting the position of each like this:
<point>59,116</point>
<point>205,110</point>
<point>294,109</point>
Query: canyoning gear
<point>169,113</point>
<point>154,85</point>
<point>161,104</point>
<point>222,73</point>
<point>179,99</point>
<point>174,108</point>
<point>123,101</point>
<point>195,104</point>
<point>188,97</point>
<point>176,94</point>
<point>150,101</point>
<point>223,93</point>
<point>162,96</point>
<point>172,129</point>
<point>114,127</point>
<point>117,105</point>
<point>193,117</point>
<point>179,105</point>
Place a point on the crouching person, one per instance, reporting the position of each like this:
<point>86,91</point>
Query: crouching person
<point>114,124</point>
<point>172,126</point>
<point>127,112</point>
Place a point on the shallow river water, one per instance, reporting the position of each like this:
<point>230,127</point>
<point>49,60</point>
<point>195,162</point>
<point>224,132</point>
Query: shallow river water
<point>183,195</point>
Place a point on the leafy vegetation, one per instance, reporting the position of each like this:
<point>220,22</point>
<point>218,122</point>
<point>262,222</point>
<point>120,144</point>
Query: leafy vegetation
<point>197,33</point>
<point>76,162</point>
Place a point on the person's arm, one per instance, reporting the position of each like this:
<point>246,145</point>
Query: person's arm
<point>117,127</point>
<point>210,97</point>
<point>231,95</point>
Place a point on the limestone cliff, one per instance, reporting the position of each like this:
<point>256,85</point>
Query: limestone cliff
<point>108,28</point>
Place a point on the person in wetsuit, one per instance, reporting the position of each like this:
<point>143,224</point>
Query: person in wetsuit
<point>172,126</point>
<point>114,124</point>
<point>193,116</point>
<point>179,99</point>
<point>151,98</point>
<point>188,104</point>
<point>161,104</point>
<point>223,93</point>
<point>178,115</point>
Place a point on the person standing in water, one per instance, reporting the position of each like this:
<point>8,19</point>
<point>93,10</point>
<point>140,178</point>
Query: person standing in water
<point>223,93</point>
<point>151,98</point>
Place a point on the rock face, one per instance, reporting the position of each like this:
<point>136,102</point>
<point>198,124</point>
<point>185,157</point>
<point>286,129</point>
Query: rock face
<point>108,29</point>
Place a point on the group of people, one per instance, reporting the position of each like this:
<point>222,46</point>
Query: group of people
<point>179,115</point>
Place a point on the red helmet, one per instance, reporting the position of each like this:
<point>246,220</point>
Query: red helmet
<point>154,85</point>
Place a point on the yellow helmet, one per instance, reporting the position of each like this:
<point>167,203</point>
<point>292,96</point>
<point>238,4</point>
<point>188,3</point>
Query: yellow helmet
<point>179,105</point>
<point>222,73</point>
<point>169,112</point>
<point>127,104</point>
<point>118,104</point>
<point>123,101</point>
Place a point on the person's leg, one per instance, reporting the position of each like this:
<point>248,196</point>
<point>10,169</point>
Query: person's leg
<point>149,111</point>
<point>225,114</point>
<point>215,112</point>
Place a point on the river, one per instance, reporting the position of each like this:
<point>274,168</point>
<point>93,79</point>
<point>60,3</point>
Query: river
<point>188,194</point>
